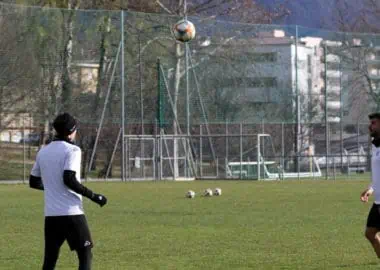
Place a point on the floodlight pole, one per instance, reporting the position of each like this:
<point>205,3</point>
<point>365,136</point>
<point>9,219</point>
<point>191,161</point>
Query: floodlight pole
<point>326,111</point>
<point>141,106</point>
<point>123,166</point>
<point>141,86</point>
<point>187,150</point>
<point>104,110</point>
<point>187,107</point>
<point>298,110</point>
<point>341,112</point>
<point>202,105</point>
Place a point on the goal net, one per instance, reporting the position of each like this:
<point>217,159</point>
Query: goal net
<point>263,162</point>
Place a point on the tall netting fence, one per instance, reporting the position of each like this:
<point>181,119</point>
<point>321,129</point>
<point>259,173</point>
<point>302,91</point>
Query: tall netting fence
<point>240,101</point>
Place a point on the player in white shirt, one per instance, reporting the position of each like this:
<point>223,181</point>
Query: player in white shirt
<point>373,220</point>
<point>57,172</point>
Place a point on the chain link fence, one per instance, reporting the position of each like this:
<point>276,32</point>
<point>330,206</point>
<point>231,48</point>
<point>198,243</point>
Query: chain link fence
<point>122,74</point>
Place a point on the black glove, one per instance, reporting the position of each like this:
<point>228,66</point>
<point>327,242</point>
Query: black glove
<point>99,199</point>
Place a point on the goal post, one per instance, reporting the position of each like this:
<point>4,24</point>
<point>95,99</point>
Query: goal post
<point>165,157</point>
<point>267,164</point>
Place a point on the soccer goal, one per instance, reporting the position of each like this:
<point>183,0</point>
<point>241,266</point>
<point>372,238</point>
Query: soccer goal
<point>262,162</point>
<point>256,160</point>
<point>140,157</point>
<point>158,157</point>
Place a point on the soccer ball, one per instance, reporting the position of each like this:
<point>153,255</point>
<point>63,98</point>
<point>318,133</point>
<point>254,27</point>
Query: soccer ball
<point>208,192</point>
<point>190,194</point>
<point>218,191</point>
<point>184,31</point>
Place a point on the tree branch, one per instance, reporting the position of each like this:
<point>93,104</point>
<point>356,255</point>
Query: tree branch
<point>158,2</point>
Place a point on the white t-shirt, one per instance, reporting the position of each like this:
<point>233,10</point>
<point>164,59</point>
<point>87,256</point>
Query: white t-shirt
<point>375,169</point>
<point>51,161</point>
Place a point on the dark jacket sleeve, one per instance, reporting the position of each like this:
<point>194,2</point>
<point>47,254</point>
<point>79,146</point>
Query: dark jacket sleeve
<point>72,183</point>
<point>36,182</point>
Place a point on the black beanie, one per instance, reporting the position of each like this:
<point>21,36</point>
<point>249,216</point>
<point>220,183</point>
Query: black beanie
<point>65,124</point>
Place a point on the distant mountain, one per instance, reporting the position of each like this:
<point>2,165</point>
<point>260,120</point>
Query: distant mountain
<point>312,13</point>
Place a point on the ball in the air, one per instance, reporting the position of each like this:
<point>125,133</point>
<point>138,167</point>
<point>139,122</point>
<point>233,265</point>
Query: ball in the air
<point>184,31</point>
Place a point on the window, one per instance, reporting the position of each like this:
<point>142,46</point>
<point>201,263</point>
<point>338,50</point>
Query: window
<point>310,85</point>
<point>264,82</point>
<point>261,57</point>
<point>309,70</point>
<point>259,82</point>
<point>333,66</point>
<point>333,82</point>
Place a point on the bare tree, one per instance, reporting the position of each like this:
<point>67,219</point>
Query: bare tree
<point>15,62</point>
<point>359,51</point>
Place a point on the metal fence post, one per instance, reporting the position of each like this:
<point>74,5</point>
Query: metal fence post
<point>282,147</point>
<point>241,150</point>
<point>217,167</point>
<point>24,150</point>
<point>226,131</point>
<point>201,151</point>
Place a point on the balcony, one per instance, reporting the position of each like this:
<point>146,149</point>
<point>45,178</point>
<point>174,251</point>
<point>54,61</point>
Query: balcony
<point>374,74</point>
<point>333,119</point>
<point>333,73</point>
<point>333,105</point>
<point>373,59</point>
<point>332,90</point>
<point>331,58</point>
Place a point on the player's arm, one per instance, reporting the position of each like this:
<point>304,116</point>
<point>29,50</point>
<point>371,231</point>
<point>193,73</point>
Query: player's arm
<point>72,161</point>
<point>72,183</point>
<point>36,182</point>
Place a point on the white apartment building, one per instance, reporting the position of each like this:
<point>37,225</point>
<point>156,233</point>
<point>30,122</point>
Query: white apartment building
<point>269,74</point>
<point>270,78</point>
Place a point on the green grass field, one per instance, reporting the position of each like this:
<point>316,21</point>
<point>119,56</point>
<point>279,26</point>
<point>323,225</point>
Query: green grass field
<point>253,225</point>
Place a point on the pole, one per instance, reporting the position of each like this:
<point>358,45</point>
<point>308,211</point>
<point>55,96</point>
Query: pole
<point>298,114</point>
<point>326,117</point>
<point>123,167</point>
<point>104,111</point>
<point>112,156</point>
<point>141,87</point>
<point>159,119</point>
<point>258,156</point>
<point>341,113</point>
<point>187,171</point>
<point>227,140</point>
<point>202,106</point>
<point>297,95</point>
<point>241,151</point>
<point>282,147</point>
<point>187,107</point>
<point>23,149</point>
<point>141,106</point>
<point>201,150</point>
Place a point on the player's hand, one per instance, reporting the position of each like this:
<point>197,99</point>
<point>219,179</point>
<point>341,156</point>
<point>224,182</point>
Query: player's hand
<point>99,199</point>
<point>365,195</point>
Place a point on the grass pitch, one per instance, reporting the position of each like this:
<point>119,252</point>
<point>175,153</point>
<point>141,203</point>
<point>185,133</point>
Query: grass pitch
<point>253,225</point>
